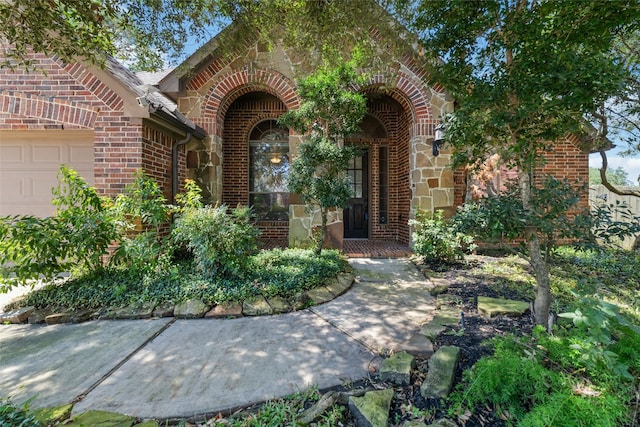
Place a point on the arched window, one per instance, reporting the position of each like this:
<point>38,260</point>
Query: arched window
<point>269,171</point>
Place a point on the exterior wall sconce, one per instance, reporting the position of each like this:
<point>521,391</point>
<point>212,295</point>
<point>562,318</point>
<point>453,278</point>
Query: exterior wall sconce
<point>438,140</point>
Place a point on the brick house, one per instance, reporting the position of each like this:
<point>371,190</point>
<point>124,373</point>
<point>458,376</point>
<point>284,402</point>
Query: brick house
<point>228,103</point>
<point>97,121</point>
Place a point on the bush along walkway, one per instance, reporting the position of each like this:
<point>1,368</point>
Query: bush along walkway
<point>370,348</point>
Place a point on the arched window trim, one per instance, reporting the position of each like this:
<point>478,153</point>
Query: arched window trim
<point>269,171</point>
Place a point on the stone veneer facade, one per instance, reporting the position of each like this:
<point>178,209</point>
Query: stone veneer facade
<point>228,97</point>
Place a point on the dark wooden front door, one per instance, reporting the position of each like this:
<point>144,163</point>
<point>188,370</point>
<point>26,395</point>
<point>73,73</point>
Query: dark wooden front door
<point>356,216</point>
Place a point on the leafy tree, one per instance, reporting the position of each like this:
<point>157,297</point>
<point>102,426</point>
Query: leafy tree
<point>616,176</point>
<point>149,33</point>
<point>524,73</point>
<point>330,111</point>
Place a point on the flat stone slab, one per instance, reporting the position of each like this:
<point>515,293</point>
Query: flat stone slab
<point>58,318</point>
<point>432,330</point>
<point>279,305</point>
<point>210,365</point>
<point>300,301</point>
<point>372,409</point>
<point>256,306</point>
<point>191,309</point>
<point>20,315</point>
<point>135,311</point>
<point>164,310</point>
<point>39,316</point>
<point>442,369</point>
<point>320,295</point>
<point>446,316</point>
<point>59,362</point>
<point>340,285</point>
<point>495,306</point>
<point>418,345</point>
<point>397,368</point>
<point>225,311</point>
<point>102,419</point>
<point>54,415</point>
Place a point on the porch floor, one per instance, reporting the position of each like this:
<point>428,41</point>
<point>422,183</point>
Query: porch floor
<point>356,248</point>
<point>365,248</point>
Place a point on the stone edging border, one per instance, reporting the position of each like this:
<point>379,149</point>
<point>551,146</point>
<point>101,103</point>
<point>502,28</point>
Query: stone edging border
<point>191,309</point>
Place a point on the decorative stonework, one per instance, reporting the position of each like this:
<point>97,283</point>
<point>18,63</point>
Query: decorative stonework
<point>302,224</point>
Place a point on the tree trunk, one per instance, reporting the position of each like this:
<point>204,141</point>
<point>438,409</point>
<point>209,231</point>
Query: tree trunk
<point>323,231</point>
<point>538,262</point>
<point>543,289</point>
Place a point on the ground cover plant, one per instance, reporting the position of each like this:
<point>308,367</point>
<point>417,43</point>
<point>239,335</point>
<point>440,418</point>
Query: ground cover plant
<point>209,253</point>
<point>584,373</point>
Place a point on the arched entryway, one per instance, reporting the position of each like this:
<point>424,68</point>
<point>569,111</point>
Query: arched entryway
<point>380,174</point>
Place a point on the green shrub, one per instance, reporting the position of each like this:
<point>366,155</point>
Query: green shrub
<point>141,212</point>
<point>12,415</point>
<point>551,380</point>
<point>220,241</point>
<point>30,248</point>
<point>87,227</point>
<point>506,381</point>
<point>437,240</point>
<point>285,272</point>
<point>74,238</point>
<point>568,409</point>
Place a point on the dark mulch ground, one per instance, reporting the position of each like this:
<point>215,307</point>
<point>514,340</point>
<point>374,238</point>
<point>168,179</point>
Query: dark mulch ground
<point>472,343</point>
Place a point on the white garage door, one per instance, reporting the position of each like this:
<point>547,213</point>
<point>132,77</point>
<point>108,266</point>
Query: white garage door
<point>29,163</point>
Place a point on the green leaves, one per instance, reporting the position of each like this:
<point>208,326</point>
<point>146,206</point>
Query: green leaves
<point>523,72</point>
<point>330,111</point>
<point>75,238</point>
<point>439,241</point>
<point>220,241</point>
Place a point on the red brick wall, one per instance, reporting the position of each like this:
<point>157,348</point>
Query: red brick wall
<point>564,159</point>
<point>243,114</point>
<point>63,96</point>
<point>156,159</point>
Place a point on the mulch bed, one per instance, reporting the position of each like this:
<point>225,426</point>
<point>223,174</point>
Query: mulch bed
<point>472,343</point>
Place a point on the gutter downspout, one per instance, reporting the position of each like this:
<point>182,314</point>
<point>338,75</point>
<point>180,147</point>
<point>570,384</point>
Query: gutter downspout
<point>174,165</point>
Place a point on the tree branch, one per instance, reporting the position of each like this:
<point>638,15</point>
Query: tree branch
<point>608,185</point>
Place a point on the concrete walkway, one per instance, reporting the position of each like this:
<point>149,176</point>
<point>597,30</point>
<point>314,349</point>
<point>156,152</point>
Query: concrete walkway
<point>167,368</point>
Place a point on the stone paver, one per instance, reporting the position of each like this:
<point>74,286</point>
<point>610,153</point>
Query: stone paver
<point>495,306</point>
<point>372,409</point>
<point>397,368</point>
<point>442,367</point>
<point>19,315</point>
